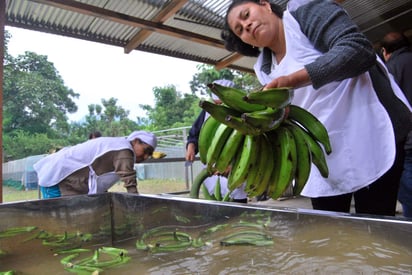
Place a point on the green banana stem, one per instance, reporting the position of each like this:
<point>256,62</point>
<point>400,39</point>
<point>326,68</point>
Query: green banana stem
<point>249,233</point>
<point>248,224</point>
<point>246,242</point>
<point>113,251</point>
<point>198,242</point>
<point>74,250</point>
<point>215,228</point>
<point>247,237</point>
<point>67,260</point>
<point>165,241</point>
<point>182,236</point>
<point>170,247</point>
<point>13,231</point>
<point>39,235</point>
<point>194,190</point>
<point>182,219</point>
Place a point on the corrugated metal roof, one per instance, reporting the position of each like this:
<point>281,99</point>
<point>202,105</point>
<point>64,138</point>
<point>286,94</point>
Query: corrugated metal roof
<point>188,29</point>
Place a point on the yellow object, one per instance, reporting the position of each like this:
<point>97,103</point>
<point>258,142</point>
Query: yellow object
<point>158,155</point>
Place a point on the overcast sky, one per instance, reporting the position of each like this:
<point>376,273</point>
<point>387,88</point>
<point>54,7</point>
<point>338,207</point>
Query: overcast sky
<point>97,71</point>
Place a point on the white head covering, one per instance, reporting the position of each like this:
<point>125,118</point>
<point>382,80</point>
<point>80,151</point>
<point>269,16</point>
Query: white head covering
<point>222,82</point>
<point>144,136</point>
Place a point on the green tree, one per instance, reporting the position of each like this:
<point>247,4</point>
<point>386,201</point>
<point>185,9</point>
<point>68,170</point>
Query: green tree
<point>171,108</point>
<point>35,104</point>
<point>23,144</point>
<point>109,118</point>
<point>93,119</point>
<point>207,74</point>
<point>35,99</point>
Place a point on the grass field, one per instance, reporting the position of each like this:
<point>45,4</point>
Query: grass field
<point>145,187</point>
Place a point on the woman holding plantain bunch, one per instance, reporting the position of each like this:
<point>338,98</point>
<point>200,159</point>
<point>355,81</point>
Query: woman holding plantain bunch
<point>315,48</point>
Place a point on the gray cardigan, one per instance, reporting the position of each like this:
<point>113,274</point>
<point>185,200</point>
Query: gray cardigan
<point>347,52</point>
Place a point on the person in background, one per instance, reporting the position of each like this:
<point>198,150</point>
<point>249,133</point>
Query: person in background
<point>95,165</point>
<point>397,54</point>
<point>95,134</point>
<point>314,47</point>
<point>237,195</point>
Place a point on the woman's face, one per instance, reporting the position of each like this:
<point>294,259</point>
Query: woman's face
<point>253,23</point>
<point>142,151</point>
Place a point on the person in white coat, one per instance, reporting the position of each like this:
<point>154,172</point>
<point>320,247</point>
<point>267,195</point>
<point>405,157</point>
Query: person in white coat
<point>314,47</point>
<point>95,165</point>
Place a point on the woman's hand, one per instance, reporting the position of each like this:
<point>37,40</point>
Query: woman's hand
<point>190,152</point>
<point>294,80</point>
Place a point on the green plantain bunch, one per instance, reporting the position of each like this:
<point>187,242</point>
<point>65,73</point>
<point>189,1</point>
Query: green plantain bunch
<point>268,142</point>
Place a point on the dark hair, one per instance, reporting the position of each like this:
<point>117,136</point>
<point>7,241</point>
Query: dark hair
<point>95,134</point>
<point>393,41</point>
<point>148,150</point>
<point>232,42</point>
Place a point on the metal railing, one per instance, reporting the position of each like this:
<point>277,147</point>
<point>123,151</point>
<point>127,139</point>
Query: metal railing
<point>173,143</point>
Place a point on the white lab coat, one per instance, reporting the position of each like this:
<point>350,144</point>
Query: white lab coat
<point>57,166</point>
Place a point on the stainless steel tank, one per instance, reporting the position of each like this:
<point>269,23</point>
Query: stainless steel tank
<point>301,241</point>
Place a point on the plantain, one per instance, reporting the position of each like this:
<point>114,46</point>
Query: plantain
<point>206,134</point>
<point>233,98</point>
<point>218,141</point>
<point>218,111</point>
<point>255,170</point>
<point>317,154</point>
<point>226,198</point>
<point>240,125</point>
<point>285,162</point>
<point>275,98</point>
<point>243,163</point>
<point>266,120</point>
<point>265,168</point>
<point>312,125</point>
<point>268,112</point>
<point>206,194</point>
<point>303,158</point>
<point>229,150</point>
<point>217,190</point>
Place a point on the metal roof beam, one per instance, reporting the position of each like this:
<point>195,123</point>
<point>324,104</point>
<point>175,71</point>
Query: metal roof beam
<point>228,61</point>
<point>167,12</point>
<point>125,19</point>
